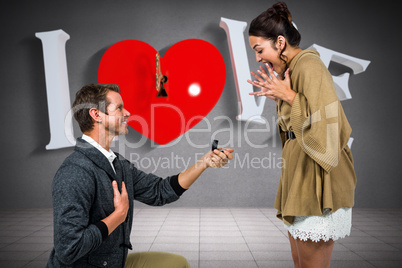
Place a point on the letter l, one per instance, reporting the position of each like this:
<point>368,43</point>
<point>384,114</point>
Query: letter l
<point>57,89</point>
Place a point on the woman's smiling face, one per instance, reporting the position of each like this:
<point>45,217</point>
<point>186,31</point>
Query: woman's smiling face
<point>267,52</point>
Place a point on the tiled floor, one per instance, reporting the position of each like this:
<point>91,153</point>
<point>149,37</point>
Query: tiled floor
<point>213,237</point>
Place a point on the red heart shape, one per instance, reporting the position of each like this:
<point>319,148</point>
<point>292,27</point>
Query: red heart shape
<point>196,78</point>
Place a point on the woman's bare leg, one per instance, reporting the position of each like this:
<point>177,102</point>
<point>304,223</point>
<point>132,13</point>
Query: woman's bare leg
<point>295,253</point>
<point>314,254</point>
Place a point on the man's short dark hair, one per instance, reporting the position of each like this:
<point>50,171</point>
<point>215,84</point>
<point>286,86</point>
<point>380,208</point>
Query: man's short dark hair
<point>88,97</point>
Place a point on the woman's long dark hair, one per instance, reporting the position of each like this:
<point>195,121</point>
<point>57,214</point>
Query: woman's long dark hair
<point>273,22</point>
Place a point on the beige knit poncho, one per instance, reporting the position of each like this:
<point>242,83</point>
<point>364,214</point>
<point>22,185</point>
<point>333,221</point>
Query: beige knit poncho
<point>317,168</point>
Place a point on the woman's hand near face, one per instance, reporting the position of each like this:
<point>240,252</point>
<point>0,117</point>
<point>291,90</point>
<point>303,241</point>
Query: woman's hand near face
<point>272,87</point>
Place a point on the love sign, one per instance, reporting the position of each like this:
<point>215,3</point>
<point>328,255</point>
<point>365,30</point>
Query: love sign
<point>196,75</point>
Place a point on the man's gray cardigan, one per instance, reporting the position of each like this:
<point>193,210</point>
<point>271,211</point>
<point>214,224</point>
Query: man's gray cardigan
<point>83,196</point>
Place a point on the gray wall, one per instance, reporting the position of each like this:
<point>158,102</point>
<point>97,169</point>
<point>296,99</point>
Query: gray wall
<point>362,29</point>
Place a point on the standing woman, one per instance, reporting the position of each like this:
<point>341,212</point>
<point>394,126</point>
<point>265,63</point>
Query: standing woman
<point>316,188</point>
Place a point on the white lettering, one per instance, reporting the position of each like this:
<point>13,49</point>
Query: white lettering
<point>246,131</point>
<point>198,130</point>
<point>133,160</point>
<point>57,89</point>
<point>237,47</point>
<point>341,81</point>
<point>58,95</point>
<point>245,161</point>
<point>229,130</point>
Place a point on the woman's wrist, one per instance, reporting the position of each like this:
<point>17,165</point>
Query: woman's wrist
<point>290,97</point>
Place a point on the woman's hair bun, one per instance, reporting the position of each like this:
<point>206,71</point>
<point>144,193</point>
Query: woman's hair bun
<point>281,9</point>
<point>273,22</point>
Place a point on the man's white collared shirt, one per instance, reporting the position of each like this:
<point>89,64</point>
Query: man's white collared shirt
<point>108,154</point>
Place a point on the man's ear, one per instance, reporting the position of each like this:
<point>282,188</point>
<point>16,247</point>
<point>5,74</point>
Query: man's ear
<point>95,114</point>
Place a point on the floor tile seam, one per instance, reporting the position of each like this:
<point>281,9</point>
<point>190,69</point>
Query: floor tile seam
<point>388,244</point>
<point>28,263</point>
<point>271,221</point>
<point>160,227</point>
<point>23,237</point>
<point>377,250</point>
<point>4,249</point>
<point>372,236</point>
<point>199,239</point>
<point>380,260</point>
<point>245,241</point>
<point>42,229</point>
<point>35,259</point>
<point>372,263</point>
<point>367,261</point>
<point>374,219</point>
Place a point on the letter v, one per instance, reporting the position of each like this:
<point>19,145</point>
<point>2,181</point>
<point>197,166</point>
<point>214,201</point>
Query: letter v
<point>248,107</point>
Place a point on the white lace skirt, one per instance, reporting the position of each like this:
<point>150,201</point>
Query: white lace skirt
<point>328,226</point>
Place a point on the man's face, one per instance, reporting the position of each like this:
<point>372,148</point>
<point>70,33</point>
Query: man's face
<point>116,117</point>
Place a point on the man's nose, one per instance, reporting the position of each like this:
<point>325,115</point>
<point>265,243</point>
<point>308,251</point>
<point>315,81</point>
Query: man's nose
<point>126,113</point>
